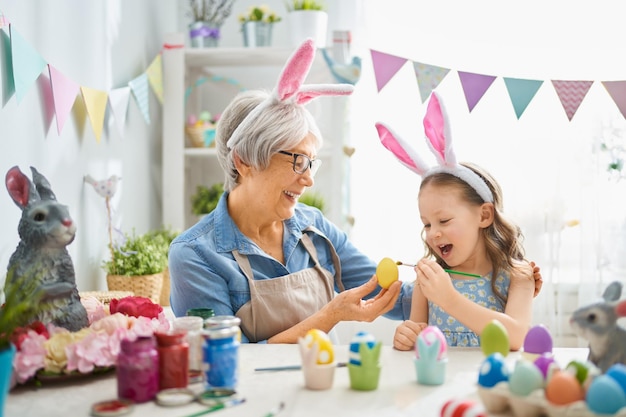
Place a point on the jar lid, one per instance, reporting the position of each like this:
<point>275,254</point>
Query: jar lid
<point>221,321</point>
<point>221,332</point>
<point>172,397</point>
<point>171,337</point>
<point>117,407</point>
<point>189,323</point>
<point>213,396</point>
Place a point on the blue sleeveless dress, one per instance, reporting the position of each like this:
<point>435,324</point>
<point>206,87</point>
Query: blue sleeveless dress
<point>479,291</point>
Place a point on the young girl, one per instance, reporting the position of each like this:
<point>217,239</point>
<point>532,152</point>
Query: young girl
<point>464,230</point>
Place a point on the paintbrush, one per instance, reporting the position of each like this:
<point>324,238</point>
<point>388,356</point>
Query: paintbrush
<point>449,271</point>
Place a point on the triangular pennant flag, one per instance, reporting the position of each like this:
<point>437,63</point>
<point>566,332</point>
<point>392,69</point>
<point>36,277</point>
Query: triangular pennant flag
<point>155,77</point>
<point>428,78</point>
<point>139,87</point>
<point>474,87</point>
<point>96,103</point>
<point>118,101</point>
<point>10,85</point>
<point>385,67</point>
<point>617,91</point>
<point>4,22</point>
<point>521,92</point>
<point>64,93</point>
<point>27,64</point>
<point>571,94</point>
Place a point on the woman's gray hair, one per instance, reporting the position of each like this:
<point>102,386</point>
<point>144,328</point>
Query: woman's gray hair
<point>281,125</point>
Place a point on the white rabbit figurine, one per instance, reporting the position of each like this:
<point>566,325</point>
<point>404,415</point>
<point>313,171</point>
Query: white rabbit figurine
<point>45,229</point>
<point>597,323</point>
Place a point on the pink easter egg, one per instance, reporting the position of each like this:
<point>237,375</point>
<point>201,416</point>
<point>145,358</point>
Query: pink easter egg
<point>429,335</point>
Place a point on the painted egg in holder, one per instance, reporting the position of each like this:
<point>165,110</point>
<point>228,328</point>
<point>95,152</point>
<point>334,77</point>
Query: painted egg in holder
<point>357,340</point>
<point>326,352</point>
<point>537,342</point>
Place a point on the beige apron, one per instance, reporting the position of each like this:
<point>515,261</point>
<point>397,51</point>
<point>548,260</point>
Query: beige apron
<point>278,304</point>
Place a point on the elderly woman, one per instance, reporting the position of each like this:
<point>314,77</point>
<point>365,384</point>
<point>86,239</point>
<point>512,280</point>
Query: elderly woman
<point>278,265</point>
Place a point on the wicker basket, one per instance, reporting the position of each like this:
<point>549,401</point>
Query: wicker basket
<point>165,291</point>
<point>105,297</point>
<point>195,135</point>
<point>149,286</point>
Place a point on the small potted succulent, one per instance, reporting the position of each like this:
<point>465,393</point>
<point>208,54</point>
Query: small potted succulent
<point>307,19</point>
<point>257,24</point>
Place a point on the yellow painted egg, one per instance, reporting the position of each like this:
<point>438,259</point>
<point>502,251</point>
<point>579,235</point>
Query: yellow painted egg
<point>494,338</point>
<point>326,352</point>
<point>387,272</point>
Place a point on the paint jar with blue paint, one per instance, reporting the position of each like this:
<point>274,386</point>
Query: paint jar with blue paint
<point>221,357</point>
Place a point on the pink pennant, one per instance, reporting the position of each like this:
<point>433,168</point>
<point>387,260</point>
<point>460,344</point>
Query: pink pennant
<point>385,67</point>
<point>617,91</point>
<point>475,86</point>
<point>64,92</point>
<point>571,94</point>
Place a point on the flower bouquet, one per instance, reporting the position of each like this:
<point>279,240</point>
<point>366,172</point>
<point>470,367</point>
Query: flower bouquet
<point>46,352</point>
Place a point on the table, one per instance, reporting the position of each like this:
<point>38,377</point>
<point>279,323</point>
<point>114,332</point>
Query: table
<point>398,392</point>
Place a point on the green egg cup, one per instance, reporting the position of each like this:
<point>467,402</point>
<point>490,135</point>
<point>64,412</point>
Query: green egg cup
<point>365,377</point>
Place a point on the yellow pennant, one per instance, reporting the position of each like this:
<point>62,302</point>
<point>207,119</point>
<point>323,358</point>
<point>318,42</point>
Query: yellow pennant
<point>155,77</point>
<point>95,102</point>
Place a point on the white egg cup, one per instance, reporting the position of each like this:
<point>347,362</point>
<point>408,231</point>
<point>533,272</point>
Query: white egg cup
<point>316,376</point>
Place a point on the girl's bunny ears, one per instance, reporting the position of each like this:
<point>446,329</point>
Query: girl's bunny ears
<point>440,143</point>
<point>291,89</point>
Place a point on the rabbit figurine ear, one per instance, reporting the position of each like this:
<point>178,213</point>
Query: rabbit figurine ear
<point>438,133</point>
<point>20,187</point>
<point>43,186</point>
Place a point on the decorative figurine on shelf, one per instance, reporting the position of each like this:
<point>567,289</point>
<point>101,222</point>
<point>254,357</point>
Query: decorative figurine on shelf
<point>597,323</point>
<point>318,360</point>
<point>364,366</point>
<point>431,356</point>
<point>45,230</point>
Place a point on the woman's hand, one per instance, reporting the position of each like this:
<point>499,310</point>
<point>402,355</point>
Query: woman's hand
<point>406,334</point>
<point>350,306</point>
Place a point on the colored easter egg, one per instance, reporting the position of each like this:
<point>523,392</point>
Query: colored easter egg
<point>387,272</point>
<point>579,369</point>
<point>493,370</point>
<point>546,363</point>
<point>563,388</point>
<point>538,340</point>
<point>617,371</point>
<point>462,408</point>
<point>494,338</point>
<point>525,378</point>
<point>326,352</point>
<point>430,335</point>
<point>355,344</point>
<point>605,396</point>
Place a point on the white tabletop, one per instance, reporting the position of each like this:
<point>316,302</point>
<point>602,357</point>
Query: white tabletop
<point>398,393</point>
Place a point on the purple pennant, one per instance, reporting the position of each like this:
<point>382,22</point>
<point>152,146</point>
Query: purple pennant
<point>617,91</point>
<point>474,87</point>
<point>385,67</point>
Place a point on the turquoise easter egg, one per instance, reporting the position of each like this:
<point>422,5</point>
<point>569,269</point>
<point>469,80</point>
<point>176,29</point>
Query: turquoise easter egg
<point>357,340</point>
<point>494,338</point>
<point>605,396</point>
<point>525,378</point>
<point>617,371</point>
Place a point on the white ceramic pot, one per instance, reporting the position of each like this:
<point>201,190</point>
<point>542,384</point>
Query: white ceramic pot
<point>305,24</point>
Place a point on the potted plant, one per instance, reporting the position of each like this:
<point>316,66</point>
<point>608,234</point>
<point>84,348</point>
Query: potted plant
<point>307,19</point>
<point>206,198</point>
<point>207,19</point>
<point>313,199</point>
<point>137,265</point>
<point>257,24</point>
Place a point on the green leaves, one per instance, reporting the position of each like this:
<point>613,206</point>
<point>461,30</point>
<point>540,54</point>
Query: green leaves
<point>205,199</point>
<point>140,255</point>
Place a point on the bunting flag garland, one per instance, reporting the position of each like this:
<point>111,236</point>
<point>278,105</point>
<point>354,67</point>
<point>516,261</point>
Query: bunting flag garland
<point>139,87</point>
<point>385,67</point>
<point>155,77</point>
<point>27,64</point>
<point>617,91</point>
<point>118,102</point>
<point>64,93</point>
<point>428,78</point>
<point>96,102</point>
<point>571,94</point>
<point>24,65</point>
<point>521,91</point>
<point>474,87</point>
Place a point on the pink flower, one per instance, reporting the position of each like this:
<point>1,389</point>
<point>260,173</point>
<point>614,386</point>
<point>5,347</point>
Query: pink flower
<point>135,307</point>
<point>95,308</point>
<point>30,358</point>
<point>110,324</point>
<point>94,350</point>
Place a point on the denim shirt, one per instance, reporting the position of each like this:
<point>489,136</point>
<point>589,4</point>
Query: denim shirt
<point>204,273</point>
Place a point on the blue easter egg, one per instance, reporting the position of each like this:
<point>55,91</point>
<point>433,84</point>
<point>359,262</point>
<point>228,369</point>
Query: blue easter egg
<point>357,340</point>
<point>617,371</point>
<point>605,396</point>
<point>493,370</point>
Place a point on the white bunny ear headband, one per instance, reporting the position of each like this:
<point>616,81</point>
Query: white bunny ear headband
<point>440,143</point>
<point>290,87</point>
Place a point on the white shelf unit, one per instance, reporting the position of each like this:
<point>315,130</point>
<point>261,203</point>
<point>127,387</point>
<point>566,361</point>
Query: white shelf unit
<point>185,167</point>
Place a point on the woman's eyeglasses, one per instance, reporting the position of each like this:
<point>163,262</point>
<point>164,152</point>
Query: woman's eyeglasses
<point>301,162</point>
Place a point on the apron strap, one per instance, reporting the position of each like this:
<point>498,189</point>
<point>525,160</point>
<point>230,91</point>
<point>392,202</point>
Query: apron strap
<point>333,254</point>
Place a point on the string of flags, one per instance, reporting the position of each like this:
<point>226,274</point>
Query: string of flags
<point>27,65</point>
<point>571,93</point>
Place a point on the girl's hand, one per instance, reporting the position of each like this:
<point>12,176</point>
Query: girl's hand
<point>537,277</point>
<point>526,275</point>
<point>434,282</point>
<point>406,334</point>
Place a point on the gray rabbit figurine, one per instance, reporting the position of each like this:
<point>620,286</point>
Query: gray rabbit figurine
<point>597,323</point>
<point>45,229</point>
